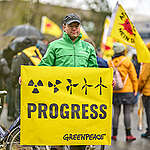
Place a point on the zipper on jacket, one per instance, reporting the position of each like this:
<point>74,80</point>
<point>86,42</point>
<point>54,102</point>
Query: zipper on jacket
<point>74,55</point>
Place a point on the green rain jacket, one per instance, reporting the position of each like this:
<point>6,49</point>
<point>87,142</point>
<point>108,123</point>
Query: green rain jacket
<point>64,52</point>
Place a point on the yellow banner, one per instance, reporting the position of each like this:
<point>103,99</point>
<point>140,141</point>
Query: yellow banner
<point>66,106</point>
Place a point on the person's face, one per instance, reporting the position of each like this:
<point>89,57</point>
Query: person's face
<point>73,30</point>
<point>99,54</point>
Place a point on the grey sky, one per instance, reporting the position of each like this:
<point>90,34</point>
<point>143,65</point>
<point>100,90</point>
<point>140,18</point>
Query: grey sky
<point>137,6</point>
<point>72,3</point>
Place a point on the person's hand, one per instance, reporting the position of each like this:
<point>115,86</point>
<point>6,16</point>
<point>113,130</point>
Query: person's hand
<point>20,80</point>
<point>135,93</point>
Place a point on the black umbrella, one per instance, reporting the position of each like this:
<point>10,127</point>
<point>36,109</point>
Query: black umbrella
<point>20,43</point>
<point>24,30</point>
<point>17,45</point>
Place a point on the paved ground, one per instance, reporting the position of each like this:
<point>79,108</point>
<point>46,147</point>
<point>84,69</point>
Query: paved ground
<point>139,144</point>
<point>120,144</point>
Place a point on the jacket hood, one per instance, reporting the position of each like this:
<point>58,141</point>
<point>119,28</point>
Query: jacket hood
<point>117,55</point>
<point>117,60</point>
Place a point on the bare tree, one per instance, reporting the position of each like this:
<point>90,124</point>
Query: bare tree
<point>98,5</point>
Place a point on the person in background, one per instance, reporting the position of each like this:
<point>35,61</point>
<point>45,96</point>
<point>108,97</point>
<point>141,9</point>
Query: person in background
<point>31,54</point>
<point>4,73</point>
<point>144,88</point>
<point>137,68</point>
<point>126,95</point>
<point>4,80</point>
<point>70,51</point>
<point>102,63</point>
<point>136,64</point>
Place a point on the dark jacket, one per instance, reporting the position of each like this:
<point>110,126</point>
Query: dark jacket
<point>102,63</point>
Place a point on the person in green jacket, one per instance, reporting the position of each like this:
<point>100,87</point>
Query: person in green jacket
<point>70,51</point>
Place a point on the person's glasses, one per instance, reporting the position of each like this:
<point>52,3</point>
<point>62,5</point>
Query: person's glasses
<point>74,26</point>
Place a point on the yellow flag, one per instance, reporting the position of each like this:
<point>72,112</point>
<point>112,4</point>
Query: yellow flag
<point>103,44</point>
<point>49,27</point>
<point>66,105</point>
<point>107,41</point>
<point>107,48</point>
<point>123,30</point>
<point>84,34</point>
